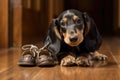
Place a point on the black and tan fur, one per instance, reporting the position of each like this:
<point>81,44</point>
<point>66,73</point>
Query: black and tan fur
<point>73,36</point>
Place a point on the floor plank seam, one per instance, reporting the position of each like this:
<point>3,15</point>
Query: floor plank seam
<point>115,59</point>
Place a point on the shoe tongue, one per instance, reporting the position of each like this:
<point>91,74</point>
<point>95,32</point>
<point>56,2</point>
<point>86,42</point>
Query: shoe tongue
<point>27,53</point>
<point>45,52</point>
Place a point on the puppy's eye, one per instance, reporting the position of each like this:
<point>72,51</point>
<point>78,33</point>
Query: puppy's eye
<point>78,21</point>
<point>62,23</point>
<point>63,30</point>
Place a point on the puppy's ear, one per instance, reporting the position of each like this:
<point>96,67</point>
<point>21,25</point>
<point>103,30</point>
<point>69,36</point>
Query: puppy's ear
<point>87,23</point>
<point>57,28</point>
<point>92,36</point>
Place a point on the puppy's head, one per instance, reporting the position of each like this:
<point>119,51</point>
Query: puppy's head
<point>71,27</point>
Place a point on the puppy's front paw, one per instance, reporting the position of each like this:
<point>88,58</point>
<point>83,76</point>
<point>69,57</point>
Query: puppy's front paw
<point>84,61</point>
<point>68,61</point>
<point>101,57</point>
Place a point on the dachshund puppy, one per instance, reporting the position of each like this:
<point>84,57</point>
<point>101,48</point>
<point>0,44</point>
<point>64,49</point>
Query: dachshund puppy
<point>73,40</point>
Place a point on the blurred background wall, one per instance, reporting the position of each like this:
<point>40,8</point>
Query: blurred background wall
<point>27,21</point>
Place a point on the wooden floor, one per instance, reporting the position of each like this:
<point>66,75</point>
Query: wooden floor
<point>9,70</point>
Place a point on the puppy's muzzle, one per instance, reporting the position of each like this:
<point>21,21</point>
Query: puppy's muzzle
<point>73,38</point>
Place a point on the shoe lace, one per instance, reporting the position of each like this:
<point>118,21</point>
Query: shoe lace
<point>34,49</point>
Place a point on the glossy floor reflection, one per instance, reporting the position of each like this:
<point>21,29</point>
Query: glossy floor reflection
<point>107,70</point>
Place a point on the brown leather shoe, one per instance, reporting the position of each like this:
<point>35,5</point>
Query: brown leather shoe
<point>27,59</point>
<point>44,59</point>
<point>28,55</point>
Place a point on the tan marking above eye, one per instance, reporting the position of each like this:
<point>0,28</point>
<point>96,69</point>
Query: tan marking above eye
<point>65,20</point>
<point>75,17</point>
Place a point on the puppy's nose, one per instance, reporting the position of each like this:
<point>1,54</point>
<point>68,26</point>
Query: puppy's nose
<point>73,39</point>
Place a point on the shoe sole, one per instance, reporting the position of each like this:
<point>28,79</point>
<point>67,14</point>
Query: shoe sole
<point>26,64</point>
<point>45,64</point>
